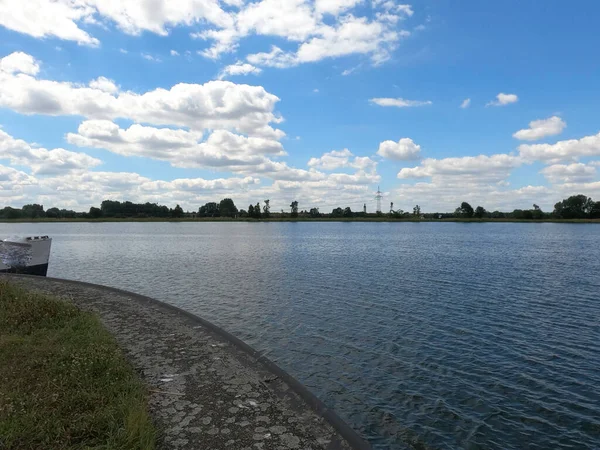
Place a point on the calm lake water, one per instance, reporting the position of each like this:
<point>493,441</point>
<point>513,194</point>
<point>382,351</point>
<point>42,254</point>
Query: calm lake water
<point>420,335</point>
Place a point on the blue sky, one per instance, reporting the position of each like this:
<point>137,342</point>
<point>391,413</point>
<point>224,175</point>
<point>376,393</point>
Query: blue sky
<point>318,101</point>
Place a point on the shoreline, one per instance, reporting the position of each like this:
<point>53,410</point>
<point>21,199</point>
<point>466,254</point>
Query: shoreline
<point>212,388</point>
<point>300,219</point>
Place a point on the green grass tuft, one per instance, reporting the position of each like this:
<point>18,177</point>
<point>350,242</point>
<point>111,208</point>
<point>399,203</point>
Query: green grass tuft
<point>64,381</point>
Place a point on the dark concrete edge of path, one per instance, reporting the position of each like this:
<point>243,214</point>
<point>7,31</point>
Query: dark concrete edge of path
<point>345,431</point>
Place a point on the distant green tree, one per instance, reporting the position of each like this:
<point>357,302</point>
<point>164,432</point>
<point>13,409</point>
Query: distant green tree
<point>95,213</point>
<point>33,211</point>
<point>210,209</point>
<point>227,208</point>
<point>110,208</point>
<point>524,214</point>
<point>11,213</point>
<point>177,212</point>
<point>574,207</point>
<point>347,212</point>
<point>267,209</point>
<point>595,211</point>
<point>257,213</point>
<point>54,213</point>
<point>68,214</point>
<point>465,210</point>
<point>518,214</point>
<point>113,208</point>
<point>480,212</point>
<point>417,210</point>
<point>314,212</point>
<point>337,212</point>
<point>537,213</point>
<point>251,211</point>
<point>498,215</point>
<point>294,207</point>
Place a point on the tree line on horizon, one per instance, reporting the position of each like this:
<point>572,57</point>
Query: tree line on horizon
<point>574,207</point>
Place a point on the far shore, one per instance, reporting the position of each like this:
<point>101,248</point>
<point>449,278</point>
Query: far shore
<point>290,219</point>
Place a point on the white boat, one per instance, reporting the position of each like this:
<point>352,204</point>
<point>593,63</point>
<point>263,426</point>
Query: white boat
<point>27,255</point>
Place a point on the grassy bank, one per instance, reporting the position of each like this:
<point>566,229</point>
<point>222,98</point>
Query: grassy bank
<point>64,382</point>
<point>298,219</point>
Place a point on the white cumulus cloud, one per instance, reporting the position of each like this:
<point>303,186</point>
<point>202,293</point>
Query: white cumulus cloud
<point>337,159</point>
<point>466,103</point>
<point>62,19</point>
<point>569,173</point>
<point>542,128</point>
<point>104,84</point>
<point>504,99</point>
<point>319,28</point>
<point>492,168</point>
<point>403,150</point>
<point>19,62</point>
<point>239,68</point>
<point>571,149</point>
<point>391,5</point>
<point>275,58</point>
<point>213,105</point>
<point>353,35</point>
<point>335,7</point>
<point>323,29</point>
<point>221,150</point>
<point>46,18</point>
<point>43,161</point>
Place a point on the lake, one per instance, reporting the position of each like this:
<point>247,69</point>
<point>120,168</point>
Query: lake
<point>420,335</point>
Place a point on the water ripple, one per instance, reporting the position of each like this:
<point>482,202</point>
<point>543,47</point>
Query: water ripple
<point>423,336</point>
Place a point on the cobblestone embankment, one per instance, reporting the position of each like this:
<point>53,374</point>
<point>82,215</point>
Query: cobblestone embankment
<point>208,390</point>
